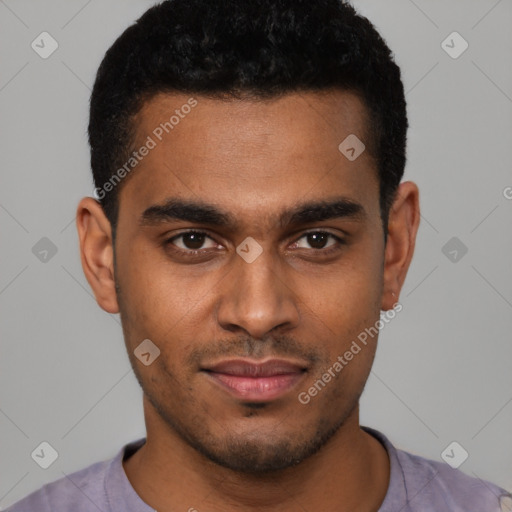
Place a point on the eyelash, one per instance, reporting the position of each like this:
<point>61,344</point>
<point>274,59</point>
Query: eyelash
<point>197,252</point>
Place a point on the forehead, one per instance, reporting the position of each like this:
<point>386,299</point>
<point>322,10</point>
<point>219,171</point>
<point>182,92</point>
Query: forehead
<point>249,153</point>
<point>305,115</point>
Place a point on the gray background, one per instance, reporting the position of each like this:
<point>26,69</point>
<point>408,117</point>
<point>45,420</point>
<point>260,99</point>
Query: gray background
<point>443,367</point>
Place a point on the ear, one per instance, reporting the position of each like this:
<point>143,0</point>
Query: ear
<point>404,219</point>
<point>96,252</point>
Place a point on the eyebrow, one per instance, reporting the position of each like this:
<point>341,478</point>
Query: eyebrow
<point>203,213</point>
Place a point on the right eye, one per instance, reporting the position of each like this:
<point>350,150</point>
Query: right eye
<point>191,241</point>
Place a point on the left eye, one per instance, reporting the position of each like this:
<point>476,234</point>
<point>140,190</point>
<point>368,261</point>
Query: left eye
<point>318,239</point>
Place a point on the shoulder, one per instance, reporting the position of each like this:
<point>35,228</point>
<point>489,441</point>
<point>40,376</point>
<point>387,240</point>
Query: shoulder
<point>418,484</point>
<point>429,481</point>
<point>78,492</point>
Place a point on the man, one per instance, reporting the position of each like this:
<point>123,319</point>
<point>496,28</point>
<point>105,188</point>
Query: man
<point>250,227</point>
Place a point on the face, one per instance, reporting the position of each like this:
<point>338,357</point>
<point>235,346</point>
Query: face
<point>250,251</point>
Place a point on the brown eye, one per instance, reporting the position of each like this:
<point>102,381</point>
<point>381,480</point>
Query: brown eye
<point>319,239</point>
<point>191,241</point>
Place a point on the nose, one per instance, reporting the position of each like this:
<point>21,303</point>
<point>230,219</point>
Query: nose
<point>257,297</point>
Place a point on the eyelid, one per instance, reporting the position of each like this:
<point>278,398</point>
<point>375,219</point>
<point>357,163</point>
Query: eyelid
<point>321,230</point>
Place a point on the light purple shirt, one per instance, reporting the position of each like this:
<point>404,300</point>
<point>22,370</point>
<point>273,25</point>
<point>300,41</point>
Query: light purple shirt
<point>416,484</point>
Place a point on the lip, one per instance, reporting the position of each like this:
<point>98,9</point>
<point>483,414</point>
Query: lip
<point>256,381</point>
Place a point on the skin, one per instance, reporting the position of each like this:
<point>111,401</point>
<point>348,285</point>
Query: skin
<point>206,449</point>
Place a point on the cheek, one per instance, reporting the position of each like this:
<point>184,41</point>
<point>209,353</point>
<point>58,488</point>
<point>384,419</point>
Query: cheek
<point>162,305</point>
<point>347,294</point>
<point>344,305</point>
<point>150,286</point>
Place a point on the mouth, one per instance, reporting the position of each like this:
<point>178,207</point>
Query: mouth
<point>256,381</point>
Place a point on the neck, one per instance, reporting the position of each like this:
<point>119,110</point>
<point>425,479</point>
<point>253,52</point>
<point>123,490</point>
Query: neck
<point>351,470</point>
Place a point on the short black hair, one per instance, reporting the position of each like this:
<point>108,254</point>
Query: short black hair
<point>241,48</point>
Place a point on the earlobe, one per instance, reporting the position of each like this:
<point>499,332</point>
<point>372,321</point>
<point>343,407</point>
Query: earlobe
<point>404,218</point>
<point>96,252</point>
